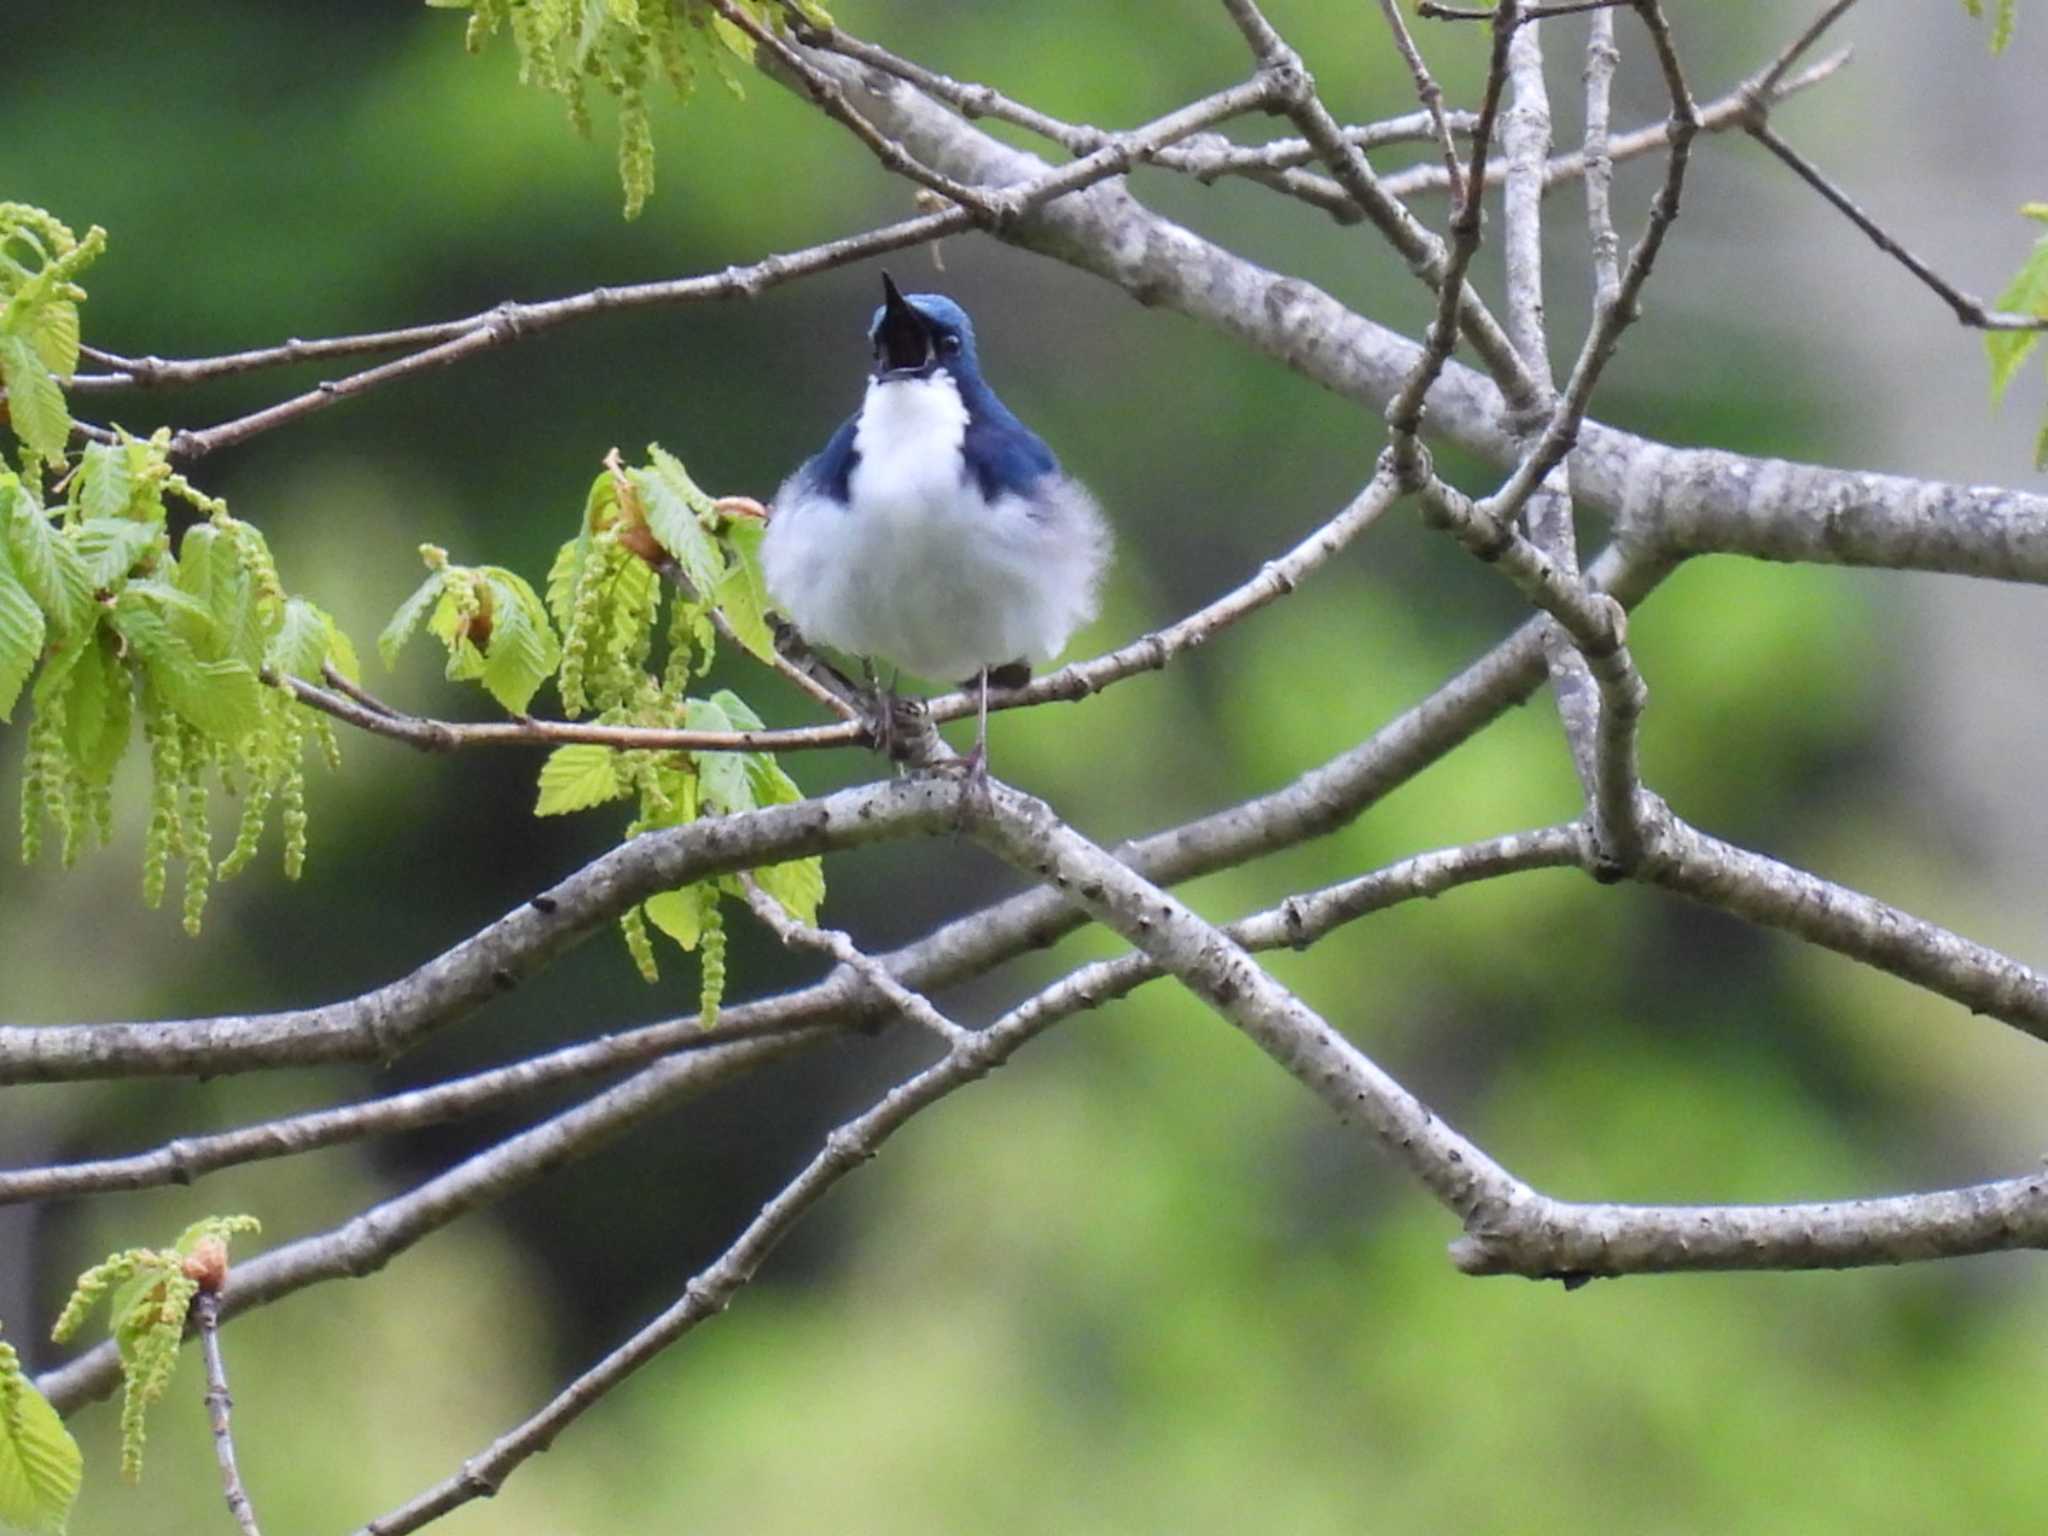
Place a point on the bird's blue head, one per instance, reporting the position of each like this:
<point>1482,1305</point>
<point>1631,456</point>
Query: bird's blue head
<point>915,335</point>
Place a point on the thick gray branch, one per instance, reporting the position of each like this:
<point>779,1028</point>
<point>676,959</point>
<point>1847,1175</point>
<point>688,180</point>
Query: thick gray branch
<point>380,1024</point>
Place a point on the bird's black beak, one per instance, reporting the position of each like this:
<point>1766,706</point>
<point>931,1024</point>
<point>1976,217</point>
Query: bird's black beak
<point>903,339</point>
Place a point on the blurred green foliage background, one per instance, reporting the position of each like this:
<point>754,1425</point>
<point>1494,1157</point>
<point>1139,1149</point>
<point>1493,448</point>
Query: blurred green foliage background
<point>1136,1282</point>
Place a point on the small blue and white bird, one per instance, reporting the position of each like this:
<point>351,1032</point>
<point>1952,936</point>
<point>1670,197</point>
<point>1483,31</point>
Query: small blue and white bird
<point>935,531</point>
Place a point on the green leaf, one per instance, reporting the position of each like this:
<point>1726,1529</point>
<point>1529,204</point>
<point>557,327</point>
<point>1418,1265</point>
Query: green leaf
<point>220,698</point>
<point>742,596</point>
<point>522,652</point>
<point>2026,294</point>
<point>106,480</point>
<point>680,914</point>
<point>301,643</point>
<point>47,563</point>
<point>21,636</point>
<point>35,405</point>
<point>738,711</point>
<point>341,651</point>
<point>99,706</point>
<point>577,777</point>
<point>111,547</point>
<point>408,617</point>
<point>726,787</point>
<point>191,619</point>
<point>40,1467</point>
<point>54,330</point>
<point>798,885</point>
<point>678,515</point>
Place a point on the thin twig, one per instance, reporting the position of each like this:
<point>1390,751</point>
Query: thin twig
<point>1426,88</point>
<point>1598,155</point>
<point>914,1006</point>
<point>1765,86</point>
<point>825,93</point>
<point>219,1404</point>
<point>1612,318</point>
<point>1970,310</point>
<point>509,322</point>
<point>1426,255</point>
<point>1438,12</point>
<point>1404,411</point>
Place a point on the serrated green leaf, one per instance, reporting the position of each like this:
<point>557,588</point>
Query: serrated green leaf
<point>798,885</point>
<point>737,710</point>
<point>522,652</point>
<point>222,699</point>
<point>47,563</point>
<point>40,1467</point>
<point>408,617</point>
<point>54,331</point>
<point>722,776</point>
<point>35,405</point>
<point>678,516</point>
<point>21,636</point>
<point>191,619</point>
<point>106,480</point>
<point>301,643</point>
<point>680,914</point>
<point>742,596</point>
<point>577,777</point>
<point>561,588</point>
<point>99,707</point>
<point>2026,294</point>
<point>111,547</point>
<point>341,651</point>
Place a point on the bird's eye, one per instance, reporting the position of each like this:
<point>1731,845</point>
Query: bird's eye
<point>949,343</point>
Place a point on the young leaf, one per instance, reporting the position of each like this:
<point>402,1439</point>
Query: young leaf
<point>35,404</point>
<point>47,563</point>
<point>723,774</point>
<point>40,1467</point>
<point>106,480</point>
<point>2026,294</point>
<point>341,651</point>
<point>21,636</point>
<point>676,514</point>
<point>522,652</point>
<point>304,642</point>
<point>681,914</point>
<point>99,708</point>
<point>408,617</point>
<point>743,593</point>
<point>220,698</point>
<point>798,885</point>
<point>111,547</point>
<point>577,777</point>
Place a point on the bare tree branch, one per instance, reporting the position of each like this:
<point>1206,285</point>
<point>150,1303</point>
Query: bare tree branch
<point>381,1024</point>
<point>219,1404</point>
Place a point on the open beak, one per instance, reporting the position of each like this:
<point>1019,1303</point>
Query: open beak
<point>903,339</point>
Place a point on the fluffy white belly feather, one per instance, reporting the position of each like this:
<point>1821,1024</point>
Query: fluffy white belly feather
<point>920,568</point>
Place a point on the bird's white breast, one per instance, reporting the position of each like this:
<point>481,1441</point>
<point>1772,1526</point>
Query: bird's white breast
<point>918,567</point>
<point>908,442</point>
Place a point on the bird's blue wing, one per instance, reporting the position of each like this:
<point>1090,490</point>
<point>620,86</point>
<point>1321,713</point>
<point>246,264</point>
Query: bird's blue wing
<point>1001,452</point>
<point>829,472</point>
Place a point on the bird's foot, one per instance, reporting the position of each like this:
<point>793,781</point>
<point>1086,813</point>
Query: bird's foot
<point>972,767</point>
<point>897,725</point>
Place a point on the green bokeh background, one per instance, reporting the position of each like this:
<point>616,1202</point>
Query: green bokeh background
<point>1136,1282</point>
